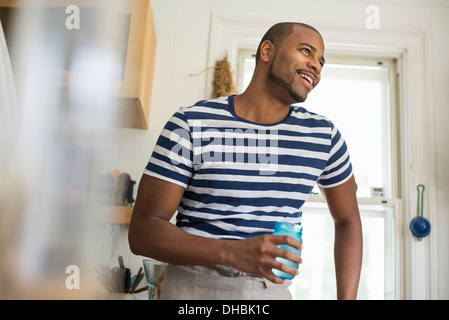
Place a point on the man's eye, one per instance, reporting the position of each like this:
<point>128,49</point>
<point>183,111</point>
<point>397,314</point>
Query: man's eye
<point>306,51</point>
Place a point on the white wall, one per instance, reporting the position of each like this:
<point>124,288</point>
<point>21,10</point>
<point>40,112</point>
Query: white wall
<point>440,93</point>
<point>183,41</point>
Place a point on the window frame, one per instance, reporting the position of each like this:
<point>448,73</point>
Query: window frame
<point>393,274</point>
<point>415,119</point>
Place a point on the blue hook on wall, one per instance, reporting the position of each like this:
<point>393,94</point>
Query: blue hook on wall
<point>420,226</point>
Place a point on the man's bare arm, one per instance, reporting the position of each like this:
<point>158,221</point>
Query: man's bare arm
<point>151,234</point>
<point>348,245</point>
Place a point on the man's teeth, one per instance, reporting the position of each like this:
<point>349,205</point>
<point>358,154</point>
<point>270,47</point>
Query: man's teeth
<point>307,78</point>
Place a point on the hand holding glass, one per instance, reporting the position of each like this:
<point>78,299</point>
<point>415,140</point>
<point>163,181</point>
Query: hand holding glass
<point>294,231</point>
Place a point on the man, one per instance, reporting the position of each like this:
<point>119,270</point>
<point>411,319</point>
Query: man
<point>211,165</point>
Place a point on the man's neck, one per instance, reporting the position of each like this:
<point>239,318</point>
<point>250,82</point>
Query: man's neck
<point>260,106</point>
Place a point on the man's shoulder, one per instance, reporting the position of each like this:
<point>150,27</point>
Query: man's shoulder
<point>309,118</point>
<point>221,102</point>
<point>205,108</point>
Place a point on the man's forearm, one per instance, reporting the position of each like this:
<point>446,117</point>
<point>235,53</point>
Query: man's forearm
<point>151,234</point>
<point>348,257</point>
<point>166,242</point>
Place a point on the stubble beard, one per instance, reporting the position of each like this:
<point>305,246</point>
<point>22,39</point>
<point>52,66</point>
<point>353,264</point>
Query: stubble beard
<point>284,84</point>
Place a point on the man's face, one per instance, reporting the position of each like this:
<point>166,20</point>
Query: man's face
<point>297,63</point>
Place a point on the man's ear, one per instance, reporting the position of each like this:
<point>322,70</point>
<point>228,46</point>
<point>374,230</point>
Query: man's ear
<point>266,51</point>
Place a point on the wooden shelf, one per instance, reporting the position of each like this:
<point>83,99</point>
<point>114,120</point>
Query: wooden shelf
<point>114,214</point>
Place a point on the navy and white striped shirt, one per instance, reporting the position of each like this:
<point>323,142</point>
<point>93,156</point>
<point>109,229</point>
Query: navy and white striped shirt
<point>240,176</point>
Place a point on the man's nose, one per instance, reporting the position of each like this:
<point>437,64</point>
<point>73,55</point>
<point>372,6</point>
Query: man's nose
<point>315,65</point>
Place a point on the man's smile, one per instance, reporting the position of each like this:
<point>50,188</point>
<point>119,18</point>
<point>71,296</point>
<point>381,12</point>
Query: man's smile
<point>309,77</point>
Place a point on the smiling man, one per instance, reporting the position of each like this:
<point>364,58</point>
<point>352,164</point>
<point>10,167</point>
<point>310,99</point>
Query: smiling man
<point>210,164</point>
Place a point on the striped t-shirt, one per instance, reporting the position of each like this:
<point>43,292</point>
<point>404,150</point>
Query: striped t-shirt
<point>240,177</point>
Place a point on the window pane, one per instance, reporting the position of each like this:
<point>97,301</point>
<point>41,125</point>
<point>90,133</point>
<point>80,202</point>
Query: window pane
<point>317,273</point>
<point>356,100</point>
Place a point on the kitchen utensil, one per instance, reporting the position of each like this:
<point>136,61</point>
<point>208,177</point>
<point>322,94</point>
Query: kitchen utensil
<point>420,226</point>
<point>136,282</point>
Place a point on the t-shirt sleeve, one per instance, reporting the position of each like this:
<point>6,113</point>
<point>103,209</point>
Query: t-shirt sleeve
<point>171,159</point>
<point>338,167</point>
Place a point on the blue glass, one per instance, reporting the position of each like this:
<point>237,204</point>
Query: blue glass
<point>294,231</point>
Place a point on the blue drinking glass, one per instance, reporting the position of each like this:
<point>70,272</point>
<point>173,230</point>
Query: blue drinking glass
<point>294,231</point>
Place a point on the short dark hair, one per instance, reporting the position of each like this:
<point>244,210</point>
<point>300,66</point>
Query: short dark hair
<point>277,33</point>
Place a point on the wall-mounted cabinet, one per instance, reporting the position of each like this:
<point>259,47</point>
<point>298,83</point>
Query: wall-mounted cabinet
<point>89,27</point>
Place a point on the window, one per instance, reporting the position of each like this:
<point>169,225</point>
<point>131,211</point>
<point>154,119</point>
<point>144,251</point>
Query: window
<point>356,98</point>
<point>247,64</point>
<point>317,274</point>
<point>357,95</point>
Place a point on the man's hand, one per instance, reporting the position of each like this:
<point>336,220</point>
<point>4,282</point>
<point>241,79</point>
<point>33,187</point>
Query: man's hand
<point>258,255</point>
